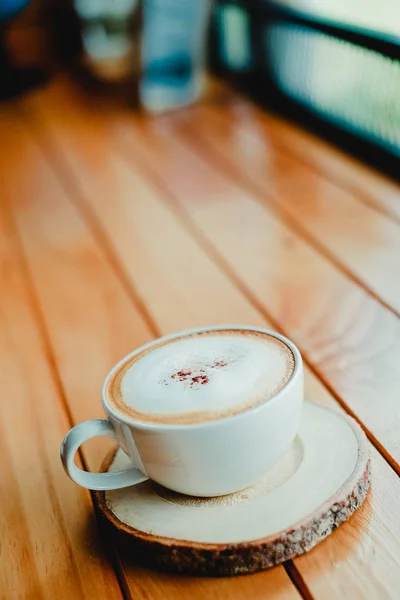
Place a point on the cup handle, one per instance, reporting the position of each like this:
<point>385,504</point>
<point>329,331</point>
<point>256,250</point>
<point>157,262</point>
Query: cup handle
<point>95,481</point>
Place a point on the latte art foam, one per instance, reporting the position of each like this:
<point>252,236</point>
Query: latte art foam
<point>201,377</point>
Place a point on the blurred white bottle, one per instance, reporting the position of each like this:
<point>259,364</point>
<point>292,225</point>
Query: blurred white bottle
<point>173,52</point>
<point>109,47</point>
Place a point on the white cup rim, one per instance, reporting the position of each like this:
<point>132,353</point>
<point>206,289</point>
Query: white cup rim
<point>126,419</point>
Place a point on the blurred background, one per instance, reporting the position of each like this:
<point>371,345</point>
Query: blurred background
<point>332,65</point>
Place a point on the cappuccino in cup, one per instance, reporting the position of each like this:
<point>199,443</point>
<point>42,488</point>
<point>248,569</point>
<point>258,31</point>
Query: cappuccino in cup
<point>201,377</point>
<point>204,412</point>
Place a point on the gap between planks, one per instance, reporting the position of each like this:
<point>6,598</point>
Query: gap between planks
<point>205,148</point>
<point>289,136</point>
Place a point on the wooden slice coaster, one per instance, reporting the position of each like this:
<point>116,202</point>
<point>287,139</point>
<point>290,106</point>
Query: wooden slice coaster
<point>320,482</point>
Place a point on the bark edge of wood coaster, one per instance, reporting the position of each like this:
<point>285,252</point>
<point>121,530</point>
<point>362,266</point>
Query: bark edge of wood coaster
<point>226,558</point>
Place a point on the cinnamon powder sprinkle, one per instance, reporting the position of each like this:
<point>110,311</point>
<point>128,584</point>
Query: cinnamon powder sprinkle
<point>182,375</point>
<point>202,379</point>
<point>188,374</point>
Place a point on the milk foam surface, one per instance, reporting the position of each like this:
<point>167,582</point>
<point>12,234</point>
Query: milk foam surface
<point>217,373</point>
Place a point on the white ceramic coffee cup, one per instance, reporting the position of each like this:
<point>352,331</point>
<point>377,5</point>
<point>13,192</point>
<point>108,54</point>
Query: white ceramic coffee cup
<point>210,458</point>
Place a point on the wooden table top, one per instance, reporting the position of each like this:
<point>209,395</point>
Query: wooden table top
<point>114,229</point>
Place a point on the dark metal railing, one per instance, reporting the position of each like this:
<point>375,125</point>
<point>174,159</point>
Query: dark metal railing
<point>339,80</point>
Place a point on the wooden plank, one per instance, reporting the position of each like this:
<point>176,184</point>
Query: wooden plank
<point>370,186</point>
<point>260,586</point>
<point>327,571</point>
<point>307,199</point>
<point>336,558</point>
<point>49,543</point>
<point>52,233</point>
<point>136,219</point>
<point>342,330</point>
<point>80,297</point>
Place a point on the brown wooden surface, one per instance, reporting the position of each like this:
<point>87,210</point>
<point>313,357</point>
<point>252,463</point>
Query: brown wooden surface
<point>103,215</point>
